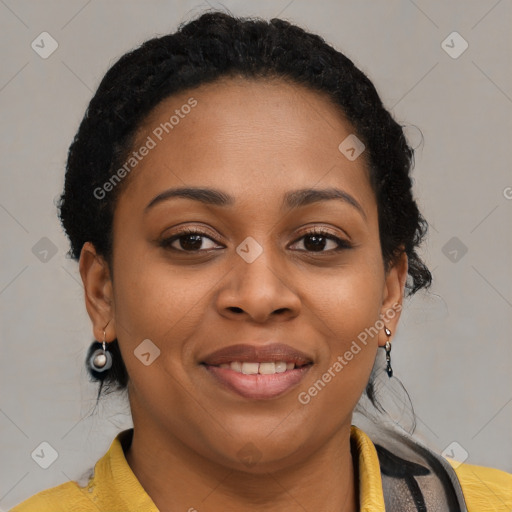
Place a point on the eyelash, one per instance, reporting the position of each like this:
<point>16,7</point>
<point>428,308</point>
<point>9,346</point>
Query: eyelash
<point>342,244</point>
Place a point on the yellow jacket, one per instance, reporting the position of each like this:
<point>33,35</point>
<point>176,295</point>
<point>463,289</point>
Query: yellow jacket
<point>114,487</point>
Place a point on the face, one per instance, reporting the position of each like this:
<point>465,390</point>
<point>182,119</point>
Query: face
<point>264,265</point>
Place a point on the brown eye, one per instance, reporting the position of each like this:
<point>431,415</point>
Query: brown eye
<point>187,241</point>
<point>317,241</point>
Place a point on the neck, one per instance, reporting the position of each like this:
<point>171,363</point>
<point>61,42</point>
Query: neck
<point>178,478</point>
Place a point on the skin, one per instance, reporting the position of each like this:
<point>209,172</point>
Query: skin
<point>255,140</point>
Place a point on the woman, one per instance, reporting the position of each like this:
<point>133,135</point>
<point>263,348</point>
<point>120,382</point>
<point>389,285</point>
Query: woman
<point>241,207</point>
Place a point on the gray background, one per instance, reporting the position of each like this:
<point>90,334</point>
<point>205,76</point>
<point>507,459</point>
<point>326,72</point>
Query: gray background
<point>453,349</point>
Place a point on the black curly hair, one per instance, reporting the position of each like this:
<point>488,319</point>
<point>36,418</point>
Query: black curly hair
<point>211,47</point>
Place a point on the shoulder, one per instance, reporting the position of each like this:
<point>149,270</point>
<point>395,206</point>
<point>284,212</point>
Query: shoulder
<point>484,487</point>
<point>66,497</point>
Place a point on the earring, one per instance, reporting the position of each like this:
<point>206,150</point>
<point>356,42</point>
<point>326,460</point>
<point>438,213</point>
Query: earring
<point>388,353</point>
<point>101,360</point>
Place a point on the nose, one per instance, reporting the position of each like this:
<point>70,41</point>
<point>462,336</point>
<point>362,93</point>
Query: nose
<point>257,291</point>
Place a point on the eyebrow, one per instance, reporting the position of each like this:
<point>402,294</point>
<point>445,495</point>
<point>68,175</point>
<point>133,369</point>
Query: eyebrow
<point>291,200</point>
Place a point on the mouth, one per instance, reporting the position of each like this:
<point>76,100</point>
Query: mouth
<point>258,373</point>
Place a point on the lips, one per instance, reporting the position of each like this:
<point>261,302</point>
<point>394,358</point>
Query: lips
<point>262,354</point>
<point>258,372</point>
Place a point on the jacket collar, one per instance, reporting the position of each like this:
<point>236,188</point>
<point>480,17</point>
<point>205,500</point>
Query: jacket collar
<point>395,472</point>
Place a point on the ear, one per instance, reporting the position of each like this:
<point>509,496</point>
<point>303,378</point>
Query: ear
<point>393,295</point>
<point>99,301</point>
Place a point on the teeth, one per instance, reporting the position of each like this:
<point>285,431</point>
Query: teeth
<point>267,368</point>
<point>281,367</point>
<point>250,368</point>
<point>253,368</point>
<point>237,366</point>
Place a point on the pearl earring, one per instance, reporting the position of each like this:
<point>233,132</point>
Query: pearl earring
<point>101,360</point>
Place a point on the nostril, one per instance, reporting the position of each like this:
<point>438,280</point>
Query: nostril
<point>235,309</point>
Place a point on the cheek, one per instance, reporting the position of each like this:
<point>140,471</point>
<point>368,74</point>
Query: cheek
<point>349,354</point>
<point>346,311</point>
<point>155,300</point>
<point>166,306</point>
<point>348,299</point>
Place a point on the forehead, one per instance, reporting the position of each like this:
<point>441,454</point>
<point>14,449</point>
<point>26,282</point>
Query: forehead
<point>252,138</point>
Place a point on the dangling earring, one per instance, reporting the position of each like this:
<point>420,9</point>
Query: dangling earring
<point>101,360</point>
<point>388,353</point>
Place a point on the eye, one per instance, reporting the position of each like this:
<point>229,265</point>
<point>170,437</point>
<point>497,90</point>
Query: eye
<point>317,240</point>
<point>190,240</point>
